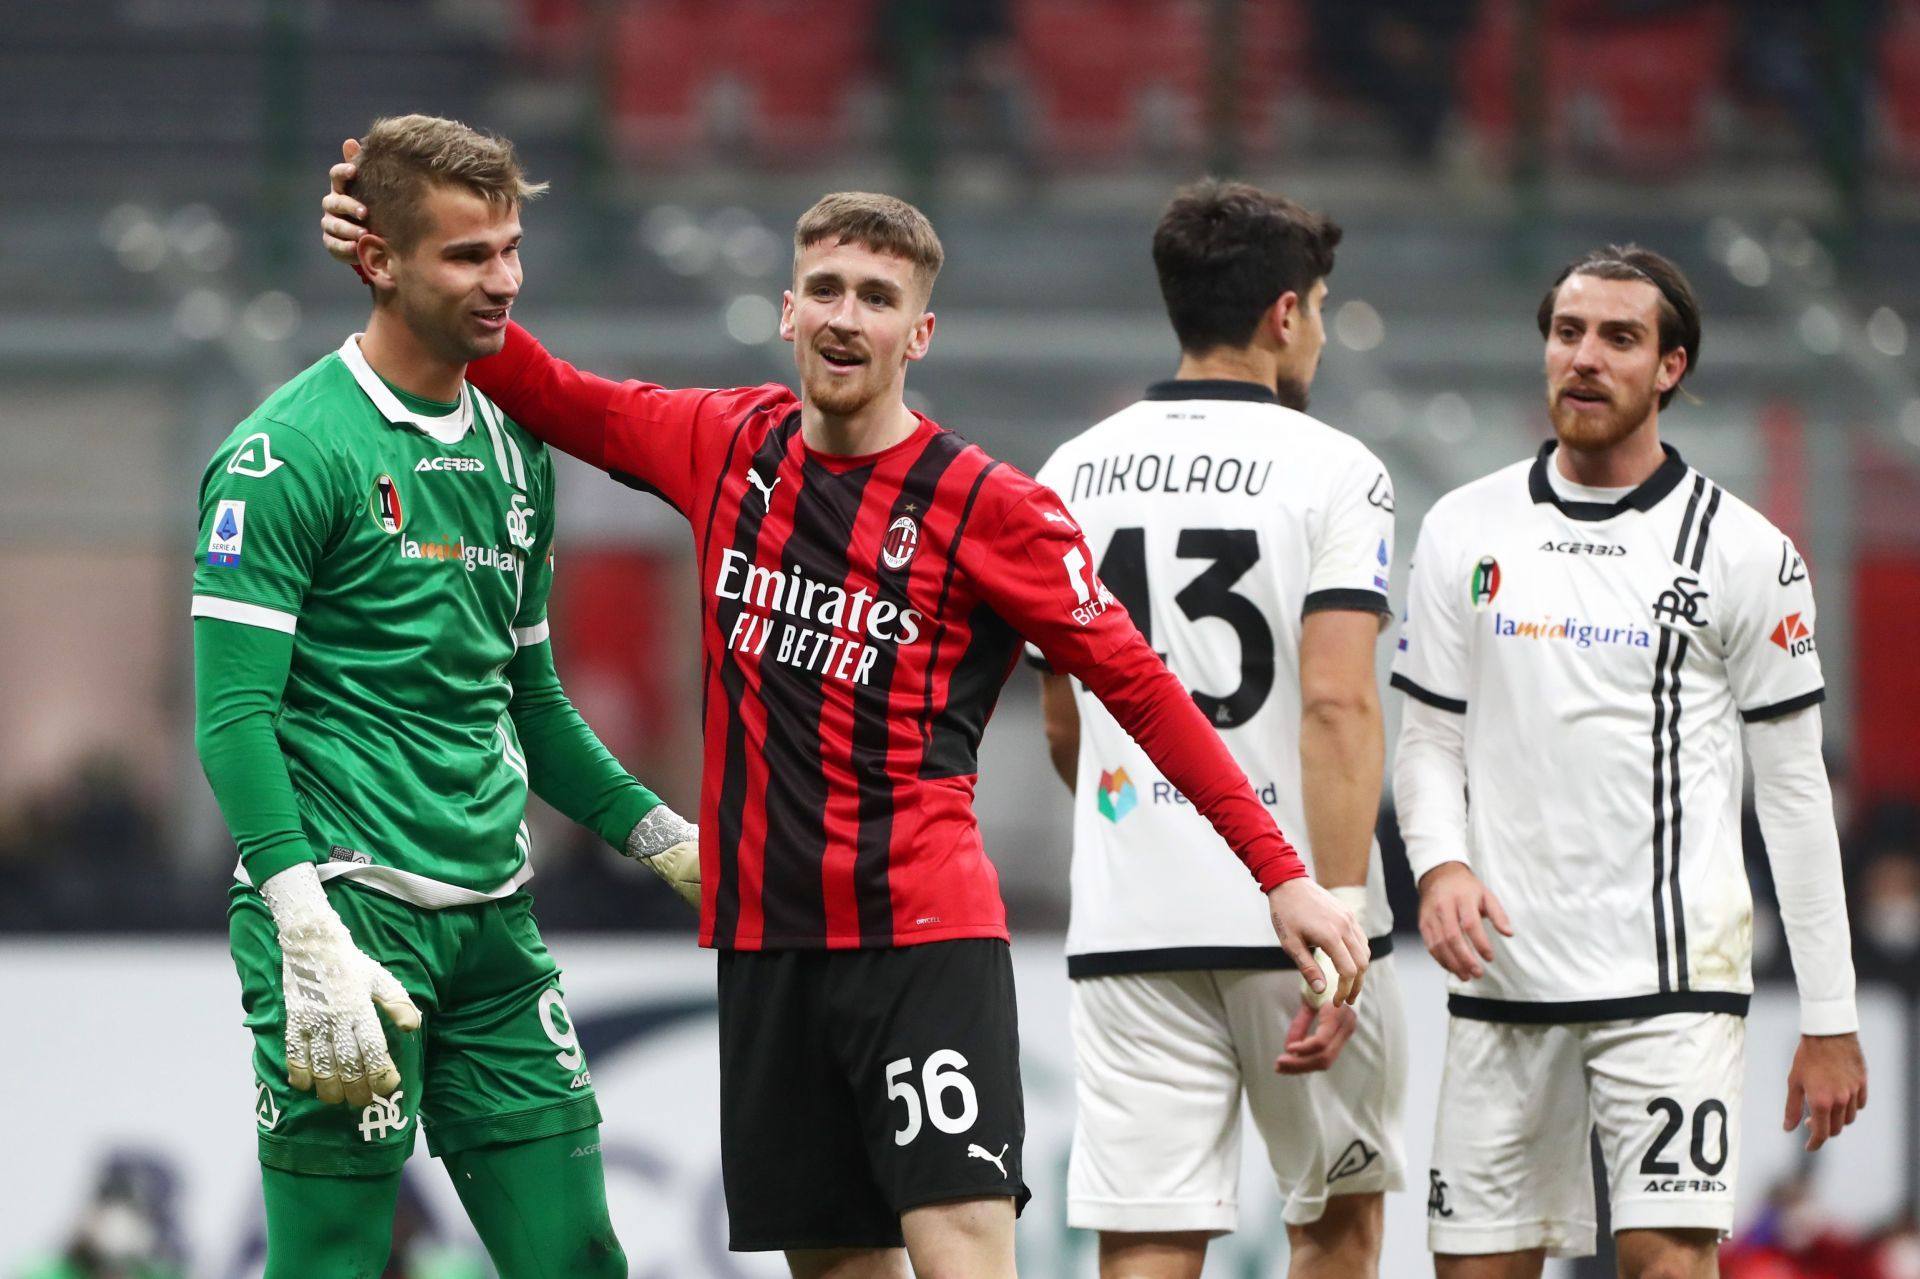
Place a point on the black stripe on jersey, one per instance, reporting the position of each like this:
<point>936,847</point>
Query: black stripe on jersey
<point>1431,698</point>
<point>1675,826</point>
<point>733,764</point>
<point>1515,1012</point>
<point>1187,959</point>
<point>1706,528</point>
<point>1360,601</point>
<point>953,745</point>
<point>1788,707</point>
<point>1660,806</point>
<point>940,610</point>
<point>1686,521</point>
<point>792,897</point>
<point>872,703</point>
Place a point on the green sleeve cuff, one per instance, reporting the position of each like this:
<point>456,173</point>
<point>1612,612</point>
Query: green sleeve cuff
<point>567,765</point>
<point>239,675</point>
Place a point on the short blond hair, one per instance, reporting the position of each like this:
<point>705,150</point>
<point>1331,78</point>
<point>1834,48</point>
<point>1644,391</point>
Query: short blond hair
<point>882,223</point>
<point>402,157</point>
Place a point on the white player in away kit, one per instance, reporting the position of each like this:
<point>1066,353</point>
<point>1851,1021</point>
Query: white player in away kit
<point>1591,637</point>
<point>1250,543</point>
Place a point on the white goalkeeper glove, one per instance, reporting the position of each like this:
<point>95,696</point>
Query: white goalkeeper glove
<point>1354,898</point>
<point>335,1047</point>
<point>669,845</point>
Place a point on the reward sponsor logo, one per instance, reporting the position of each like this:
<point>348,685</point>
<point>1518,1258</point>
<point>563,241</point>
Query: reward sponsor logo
<point>1116,796</point>
<point>1572,630</point>
<point>1163,792</point>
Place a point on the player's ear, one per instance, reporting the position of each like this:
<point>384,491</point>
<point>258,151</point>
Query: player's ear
<point>921,337</point>
<point>1673,366</point>
<point>375,257</point>
<point>786,315</point>
<point>1282,316</point>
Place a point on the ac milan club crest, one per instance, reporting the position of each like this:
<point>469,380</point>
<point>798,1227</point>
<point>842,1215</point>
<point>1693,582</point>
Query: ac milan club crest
<point>903,538</point>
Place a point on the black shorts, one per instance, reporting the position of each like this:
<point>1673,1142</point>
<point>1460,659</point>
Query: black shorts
<point>857,1084</point>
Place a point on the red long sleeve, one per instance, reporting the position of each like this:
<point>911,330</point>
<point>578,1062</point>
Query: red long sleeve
<point>1157,712</point>
<point>557,402</point>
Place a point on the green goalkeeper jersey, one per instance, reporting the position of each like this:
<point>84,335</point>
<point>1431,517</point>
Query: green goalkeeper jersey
<point>407,548</point>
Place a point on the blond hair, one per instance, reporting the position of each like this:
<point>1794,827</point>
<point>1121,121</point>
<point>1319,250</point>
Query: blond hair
<point>881,223</point>
<point>402,157</point>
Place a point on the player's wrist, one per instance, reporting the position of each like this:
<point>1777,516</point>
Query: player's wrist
<point>1427,877</point>
<point>1353,897</point>
<point>298,901</point>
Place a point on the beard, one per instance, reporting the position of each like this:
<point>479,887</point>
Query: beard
<point>1291,392</point>
<point>1596,433</point>
<point>842,397</point>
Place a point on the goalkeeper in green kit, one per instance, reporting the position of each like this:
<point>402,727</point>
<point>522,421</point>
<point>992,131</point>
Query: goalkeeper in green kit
<point>374,695</point>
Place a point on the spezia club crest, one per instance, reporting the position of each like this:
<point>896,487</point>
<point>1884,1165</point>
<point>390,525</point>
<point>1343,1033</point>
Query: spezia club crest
<point>384,502</point>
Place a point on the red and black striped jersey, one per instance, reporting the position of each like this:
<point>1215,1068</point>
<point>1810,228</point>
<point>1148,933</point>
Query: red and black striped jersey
<point>859,616</point>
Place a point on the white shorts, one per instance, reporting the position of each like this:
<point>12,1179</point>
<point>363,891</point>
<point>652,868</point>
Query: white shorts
<point>1158,1077</point>
<point>1511,1169</point>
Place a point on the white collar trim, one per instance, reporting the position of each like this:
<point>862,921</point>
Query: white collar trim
<point>448,428</point>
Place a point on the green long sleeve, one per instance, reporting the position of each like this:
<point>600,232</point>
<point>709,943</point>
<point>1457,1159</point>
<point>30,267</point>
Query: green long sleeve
<point>566,764</point>
<point>239,675</point>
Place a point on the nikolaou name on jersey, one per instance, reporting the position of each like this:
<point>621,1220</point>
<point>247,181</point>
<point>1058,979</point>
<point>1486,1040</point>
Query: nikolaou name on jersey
<point>1168,473</point>
<point>1571,630</point>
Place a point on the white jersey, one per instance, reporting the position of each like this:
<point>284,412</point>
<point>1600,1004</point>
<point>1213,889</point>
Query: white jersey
<point>1219,518</point>
<point>1604,655</point>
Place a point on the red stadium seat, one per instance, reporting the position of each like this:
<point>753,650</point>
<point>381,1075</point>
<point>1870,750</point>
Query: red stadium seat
<point>666,62</point>
<point>1110,77</point>
<point>802,75</point>
<point>1635,92</point>
<point>1899,87</point>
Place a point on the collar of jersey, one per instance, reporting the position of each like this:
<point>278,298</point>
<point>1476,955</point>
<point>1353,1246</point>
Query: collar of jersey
<point>1211,388</point>
<point>450,428</point>
<point>1644,498</point>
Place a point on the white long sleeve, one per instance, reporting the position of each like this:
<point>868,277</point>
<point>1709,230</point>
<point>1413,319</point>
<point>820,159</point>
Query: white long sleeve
<point>1795,805</point>
<point>1430,785</point>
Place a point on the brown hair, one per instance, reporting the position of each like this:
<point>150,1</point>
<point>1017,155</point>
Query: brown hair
<point>1227,251</point>
<point>402,156</point>
<point>877,222</point>
<point>1679,309</point>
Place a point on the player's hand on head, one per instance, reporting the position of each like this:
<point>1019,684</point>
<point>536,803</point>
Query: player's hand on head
<point>1827,1086</point>
<point>1453,902</point>
<point>1307,918</point>
<point>336,1047</point>
<point>1315,1037</point>
<point>343,219</point>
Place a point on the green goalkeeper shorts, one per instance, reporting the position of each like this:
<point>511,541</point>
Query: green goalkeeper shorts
<point>495,1059</point>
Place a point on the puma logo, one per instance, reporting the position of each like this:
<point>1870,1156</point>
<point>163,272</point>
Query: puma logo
<point>981,1152</point>
<point>766,489</point>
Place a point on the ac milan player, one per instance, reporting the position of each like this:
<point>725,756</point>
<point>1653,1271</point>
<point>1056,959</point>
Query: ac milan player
<point>867,578</point>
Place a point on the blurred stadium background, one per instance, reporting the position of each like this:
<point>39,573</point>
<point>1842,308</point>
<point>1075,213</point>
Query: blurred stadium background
<point>160,272</point>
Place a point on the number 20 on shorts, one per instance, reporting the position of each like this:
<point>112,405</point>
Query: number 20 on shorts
<point>939,1077</point>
